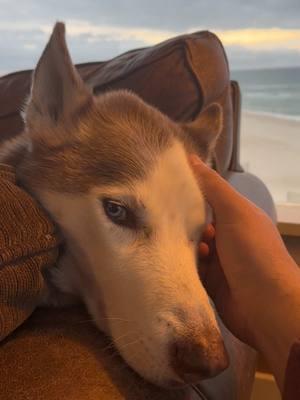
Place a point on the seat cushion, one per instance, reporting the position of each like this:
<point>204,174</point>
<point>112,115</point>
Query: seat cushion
<point>61,355</point>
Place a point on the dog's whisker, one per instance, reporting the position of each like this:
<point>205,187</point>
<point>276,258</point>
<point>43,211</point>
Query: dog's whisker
<point>85,321</point>
<point>109,346</point>
<point>129,344</point>
<point>117,353</point>
<point>112,355</point>
<point>116,319</point>
<point>115,341</point>
<point>124,364</point>
<point>105,319</point>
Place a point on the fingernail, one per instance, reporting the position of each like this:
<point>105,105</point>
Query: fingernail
<point>194,159</point>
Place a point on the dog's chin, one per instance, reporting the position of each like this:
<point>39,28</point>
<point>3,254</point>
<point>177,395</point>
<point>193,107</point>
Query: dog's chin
<point>177,382</point>
<point>167,383</point>
<point>170,381</point>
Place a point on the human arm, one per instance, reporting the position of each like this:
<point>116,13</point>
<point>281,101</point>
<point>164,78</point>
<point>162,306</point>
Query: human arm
<point>252,279</point>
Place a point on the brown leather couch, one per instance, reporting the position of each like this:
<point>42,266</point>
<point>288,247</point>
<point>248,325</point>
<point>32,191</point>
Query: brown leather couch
<point>59,354</point>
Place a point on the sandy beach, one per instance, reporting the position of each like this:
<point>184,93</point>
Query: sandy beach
<point>270,149</point>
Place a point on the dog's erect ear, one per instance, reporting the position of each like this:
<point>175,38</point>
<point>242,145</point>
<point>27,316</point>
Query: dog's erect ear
<point>58,92</point>
<point>201,134</point>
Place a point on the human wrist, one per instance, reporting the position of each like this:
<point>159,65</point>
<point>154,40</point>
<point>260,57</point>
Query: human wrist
<point>277,326</point>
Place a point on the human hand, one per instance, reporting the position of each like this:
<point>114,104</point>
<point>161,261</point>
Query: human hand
<point>207,240</point>
<point>251,277</point>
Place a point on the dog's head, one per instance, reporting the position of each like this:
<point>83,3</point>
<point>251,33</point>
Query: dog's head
<point>114,173</point>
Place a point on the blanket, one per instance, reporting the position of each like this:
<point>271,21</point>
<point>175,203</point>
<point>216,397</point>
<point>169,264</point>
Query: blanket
<point>28,244</point>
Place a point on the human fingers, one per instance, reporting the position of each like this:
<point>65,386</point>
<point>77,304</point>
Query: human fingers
<point>203,250</point>
<point>204,246</point>
<point>209,233</point>
<point>226,202</point>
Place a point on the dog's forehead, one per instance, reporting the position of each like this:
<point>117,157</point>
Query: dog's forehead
<point>172,185</point>
<point>125,137</point>
<point>121,116</point>
<point>117,142</point>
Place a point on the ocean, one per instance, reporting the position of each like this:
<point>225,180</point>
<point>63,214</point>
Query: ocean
<point>271,91</point>
<point>270,129</point>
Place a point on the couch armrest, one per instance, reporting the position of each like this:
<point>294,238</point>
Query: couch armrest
<point>236,99</point>
<point>254,189</point>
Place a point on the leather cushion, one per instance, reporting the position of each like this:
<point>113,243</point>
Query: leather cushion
<point>180,76</point>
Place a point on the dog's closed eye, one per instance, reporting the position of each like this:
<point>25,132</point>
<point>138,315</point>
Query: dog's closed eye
<point>119,213</point>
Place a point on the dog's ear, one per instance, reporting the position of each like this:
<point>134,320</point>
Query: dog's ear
<point>58,92</point>
<point>201,135</point>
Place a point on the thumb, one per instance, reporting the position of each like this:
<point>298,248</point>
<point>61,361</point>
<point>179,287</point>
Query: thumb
<point>224,200</point>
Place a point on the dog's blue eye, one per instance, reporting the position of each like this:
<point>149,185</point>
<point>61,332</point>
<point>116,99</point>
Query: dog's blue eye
<point>120,214</point>
<point>115,211</point>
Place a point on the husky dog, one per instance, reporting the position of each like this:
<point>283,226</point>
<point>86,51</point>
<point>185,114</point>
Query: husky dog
<point>113,172</point>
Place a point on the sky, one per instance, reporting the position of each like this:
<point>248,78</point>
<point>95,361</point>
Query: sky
<point>256,33</point>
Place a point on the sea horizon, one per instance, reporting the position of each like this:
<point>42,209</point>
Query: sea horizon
<point>285,117</point>
<point>233,70</point>
<point>270,91</point>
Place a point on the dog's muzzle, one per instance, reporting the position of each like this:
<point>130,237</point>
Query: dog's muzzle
<point>194,359</point>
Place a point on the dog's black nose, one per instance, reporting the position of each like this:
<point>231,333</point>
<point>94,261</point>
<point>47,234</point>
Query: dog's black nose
<point>194,360</point>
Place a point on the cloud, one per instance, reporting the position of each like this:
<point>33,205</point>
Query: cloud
<point>260,32</point>
<point>269,39</point>
<point>174,15</point>
<point>96,32</point>
<point>21,50</point>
